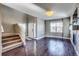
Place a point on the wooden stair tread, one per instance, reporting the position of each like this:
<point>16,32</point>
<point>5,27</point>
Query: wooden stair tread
<point>10,42</point>
<point>3,37</point>
<point>9,39</point>
<point>8,35</point>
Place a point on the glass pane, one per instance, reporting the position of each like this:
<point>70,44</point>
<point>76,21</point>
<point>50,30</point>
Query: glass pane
<point>2,30</point>
<point>56,26</point>
<point>52,27</point>
<point>59,26</point>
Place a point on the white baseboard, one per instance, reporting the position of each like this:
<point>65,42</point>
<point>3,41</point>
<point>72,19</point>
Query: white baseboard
<point>39,38</point>
<point>52,37</point>
<point>75,48</point>
<point>58,37</point>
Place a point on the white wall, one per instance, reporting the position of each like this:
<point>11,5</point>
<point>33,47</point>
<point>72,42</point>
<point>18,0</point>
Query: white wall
<point>66,23</point>
<point>31,28</point>
<point>11,17</point>
<point>36,27</point>
<point>40,28</point>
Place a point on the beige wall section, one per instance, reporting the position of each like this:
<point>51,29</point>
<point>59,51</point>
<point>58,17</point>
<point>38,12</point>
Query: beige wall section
<point>0,35</point>
<point>8,28</point>
<point>0,41</point>
<point>65,29</point>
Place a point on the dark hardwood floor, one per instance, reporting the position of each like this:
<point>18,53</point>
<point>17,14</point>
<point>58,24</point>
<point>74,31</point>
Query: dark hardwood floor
<point>44,47</point>
<point>20,51</point>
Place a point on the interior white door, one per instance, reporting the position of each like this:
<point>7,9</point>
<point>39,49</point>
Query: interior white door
<point>31,30</point>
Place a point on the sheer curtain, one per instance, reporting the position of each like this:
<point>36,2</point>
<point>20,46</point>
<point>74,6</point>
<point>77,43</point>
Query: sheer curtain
<point>56,26</point>
<point>2,30</point>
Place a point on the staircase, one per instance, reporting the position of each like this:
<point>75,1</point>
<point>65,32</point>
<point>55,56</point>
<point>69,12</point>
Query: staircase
<point>10,41</point>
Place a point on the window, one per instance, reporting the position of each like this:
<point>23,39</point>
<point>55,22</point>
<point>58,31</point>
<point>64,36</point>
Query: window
<point>2,30</point>
<point>56,26</point>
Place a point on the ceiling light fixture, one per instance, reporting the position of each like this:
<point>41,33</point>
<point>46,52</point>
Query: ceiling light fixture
<point>49,13</point>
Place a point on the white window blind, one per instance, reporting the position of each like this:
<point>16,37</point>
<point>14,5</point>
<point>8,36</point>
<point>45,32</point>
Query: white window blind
<point>56,26</point>
<point>2,30</point>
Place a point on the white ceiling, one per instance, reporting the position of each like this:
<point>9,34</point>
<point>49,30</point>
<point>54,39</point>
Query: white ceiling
<point>61,10</point>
